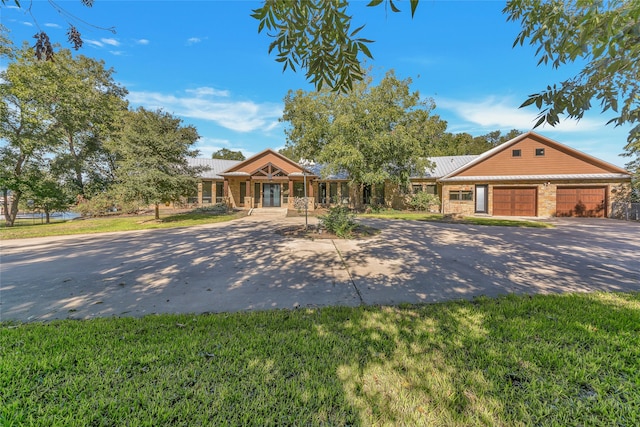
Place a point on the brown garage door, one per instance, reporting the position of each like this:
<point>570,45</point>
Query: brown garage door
<point>515,201</point>
<point>581,201</point>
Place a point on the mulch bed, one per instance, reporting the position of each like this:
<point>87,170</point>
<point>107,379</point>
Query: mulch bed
<point>314,232</point>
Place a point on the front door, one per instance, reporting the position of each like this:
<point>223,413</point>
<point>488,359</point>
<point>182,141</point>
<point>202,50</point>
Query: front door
<point>270,195</point>
<point>481,199</point>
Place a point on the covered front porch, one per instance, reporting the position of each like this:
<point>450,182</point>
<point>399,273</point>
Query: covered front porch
<point>268,180</point>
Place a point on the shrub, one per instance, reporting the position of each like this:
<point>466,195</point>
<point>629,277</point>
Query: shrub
<point>422,201</point>
<point>339,221</point>
<point>217,209</point>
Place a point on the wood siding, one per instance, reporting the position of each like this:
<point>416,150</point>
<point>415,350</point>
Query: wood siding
<point>254,163</point>
<point>515,201</point>
<point>581,201</point>
<point>556,160</point>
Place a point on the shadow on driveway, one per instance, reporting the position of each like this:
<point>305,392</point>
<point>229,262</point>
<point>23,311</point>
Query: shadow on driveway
<point>245,265</point>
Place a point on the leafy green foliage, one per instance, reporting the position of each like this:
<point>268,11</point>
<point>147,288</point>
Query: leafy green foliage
<point>26,126</point>
<point>339,221</point>
<point>422,201</point>
<point>45,192</point>
<point>226,154</point>
<point>61,111</point>
<point>152,150</point>
<point>315,35</point>
<point>460,144</point>
<point>85,103</point>
<point>374,133</point>
<point>605,35</point>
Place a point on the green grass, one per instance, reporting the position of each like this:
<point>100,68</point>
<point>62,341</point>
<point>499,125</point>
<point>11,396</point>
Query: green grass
<point>513,361</point>
<point>417,216</point>
<point>27,229</point>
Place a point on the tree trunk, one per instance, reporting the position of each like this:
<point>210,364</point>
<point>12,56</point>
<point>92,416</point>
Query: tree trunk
<point>47,216</point>
<point>10,216</point>
<point>77,165</point>
<point>157,211</point>
<point>5,205</point>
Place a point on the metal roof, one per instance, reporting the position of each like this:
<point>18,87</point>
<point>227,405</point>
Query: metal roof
<point>556,177</point>
<point>441,167</point>
<point>444,165</point>
<point>215,166</point>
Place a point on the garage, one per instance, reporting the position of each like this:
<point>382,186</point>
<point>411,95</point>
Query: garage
<point>581,201</point>
<point>515,201</point>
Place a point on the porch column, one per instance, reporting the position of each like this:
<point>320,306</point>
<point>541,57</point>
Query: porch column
<point>225,191</point>
<point>290,198</point>
<point>248,194</point>
<point>200,192</point>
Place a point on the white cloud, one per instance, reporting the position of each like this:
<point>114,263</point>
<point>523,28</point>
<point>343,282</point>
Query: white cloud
<point>93,43</point>
<point>239,116</point>
<point>116,52</point>
<point>142,42</point>
<point>208,146</point>
<point>110,41</point>
<point>52,25</point>
<point>27,23</point>
<point>193,40</point>
<point>204,91</point>
<point>503,113</point>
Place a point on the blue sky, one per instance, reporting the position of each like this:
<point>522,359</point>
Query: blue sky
<point>205,62</point>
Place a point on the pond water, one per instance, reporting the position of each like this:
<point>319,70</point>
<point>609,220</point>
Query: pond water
<point>40,216</point>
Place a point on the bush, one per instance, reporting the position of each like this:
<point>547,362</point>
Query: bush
<point>339,221</point>
<point>217,209</point>
<point>422,201</point>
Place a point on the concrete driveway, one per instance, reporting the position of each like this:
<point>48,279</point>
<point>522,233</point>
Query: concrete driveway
<point>245,265</point>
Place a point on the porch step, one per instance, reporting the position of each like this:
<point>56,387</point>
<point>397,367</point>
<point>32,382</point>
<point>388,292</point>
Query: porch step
<point>269,212</point>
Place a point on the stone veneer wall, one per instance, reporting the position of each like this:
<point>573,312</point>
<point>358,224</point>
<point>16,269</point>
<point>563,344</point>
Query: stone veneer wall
<point>463,207</point>
<point>546,194</point>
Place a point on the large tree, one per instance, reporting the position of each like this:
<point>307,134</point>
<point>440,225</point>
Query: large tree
<point>460,144</point>
<point>226,154</point>
<point>374,132</point>
<point>45,191</point>
<point>152,150</point>
<point>27,129</point>
<point>85,102</point>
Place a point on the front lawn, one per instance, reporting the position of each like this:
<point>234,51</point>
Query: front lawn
<point>418,216</point>
<point>510,361</point>
<point>27,229</point>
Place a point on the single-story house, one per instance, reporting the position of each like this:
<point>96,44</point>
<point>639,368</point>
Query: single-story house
<point>530,175</point>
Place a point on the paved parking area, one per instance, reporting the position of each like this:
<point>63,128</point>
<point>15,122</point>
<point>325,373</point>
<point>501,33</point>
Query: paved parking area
<point>245,265</point>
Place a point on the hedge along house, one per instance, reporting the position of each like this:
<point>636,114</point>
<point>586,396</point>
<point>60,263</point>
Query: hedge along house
<point>529,175</point>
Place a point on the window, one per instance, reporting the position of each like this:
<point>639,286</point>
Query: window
<point>516,153</point>
<point>416,188</point>
<point>333,192</point>
<point>432,189</point>
<point>539,151</point>
<point>206,191</point>
<point>243,192</point>
<point>298,189</point>
<point>219,191</point>
<point>322,193</point>
<point>460,195</point>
